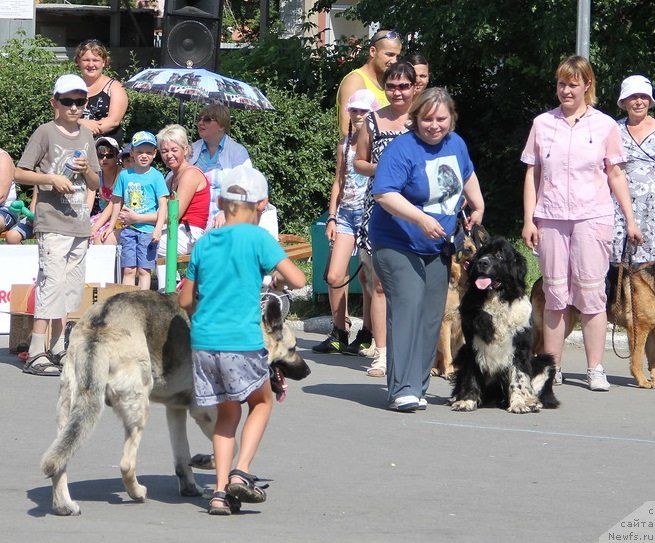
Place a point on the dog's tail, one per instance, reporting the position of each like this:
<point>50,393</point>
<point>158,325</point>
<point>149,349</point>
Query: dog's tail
<point>81,397</point>
<point>543,375</point>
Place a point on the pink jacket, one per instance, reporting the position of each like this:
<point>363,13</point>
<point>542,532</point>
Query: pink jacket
<point>573,160</point>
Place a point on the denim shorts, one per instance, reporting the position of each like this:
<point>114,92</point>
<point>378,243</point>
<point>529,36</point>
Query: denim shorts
<point>137,249</point>
<point>349,221</point>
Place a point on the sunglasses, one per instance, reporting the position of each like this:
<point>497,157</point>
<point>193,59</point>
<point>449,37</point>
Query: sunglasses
<point>68,102</point>
<point>388,36</point>
<point>205,119</point>
<point>106,155</point>
<point>398,86</point>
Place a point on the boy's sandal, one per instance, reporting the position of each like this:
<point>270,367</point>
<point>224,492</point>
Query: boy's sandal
<point>246,490</point>
<point>41,365</point>
<point>58,359</point>
<point>228,504</point>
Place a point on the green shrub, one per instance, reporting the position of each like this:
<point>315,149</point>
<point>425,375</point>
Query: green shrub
<point>27,76</point>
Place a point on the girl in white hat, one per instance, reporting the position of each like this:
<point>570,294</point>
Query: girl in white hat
<point>344,219</point>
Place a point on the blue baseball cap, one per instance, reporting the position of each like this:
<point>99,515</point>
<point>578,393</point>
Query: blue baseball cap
<point>143,137</point>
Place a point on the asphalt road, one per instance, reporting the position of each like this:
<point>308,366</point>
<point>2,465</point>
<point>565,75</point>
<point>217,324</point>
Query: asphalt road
<point>343,468</point>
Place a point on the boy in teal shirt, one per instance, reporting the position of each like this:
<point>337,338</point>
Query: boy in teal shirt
<point>229,359</point>
<point>142,189</point>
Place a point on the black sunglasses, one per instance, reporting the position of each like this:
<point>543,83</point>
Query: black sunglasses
<point>398,86</point>
<point>106,155</point>
<point>206,119</point>
<point>393,35</point>
<point>68,102</point>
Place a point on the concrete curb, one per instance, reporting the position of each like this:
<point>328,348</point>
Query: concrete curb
<point>323,325</point>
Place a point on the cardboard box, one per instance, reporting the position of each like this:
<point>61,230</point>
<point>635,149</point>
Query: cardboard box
<point>21,320</point>
<point>94,293</point>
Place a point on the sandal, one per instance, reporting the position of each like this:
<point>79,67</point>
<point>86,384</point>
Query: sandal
<point>58,359</point>
<point>246,490</point>
<point>44,368</point>
<point>376,372</point>
<point>231,504</point>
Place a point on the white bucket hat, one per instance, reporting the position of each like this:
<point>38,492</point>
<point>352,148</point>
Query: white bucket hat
<point>635,84</point>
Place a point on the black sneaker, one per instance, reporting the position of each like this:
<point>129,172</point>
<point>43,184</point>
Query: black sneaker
<point>336,342</point>
<point>362,341</point>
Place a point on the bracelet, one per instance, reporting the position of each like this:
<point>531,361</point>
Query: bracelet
<point>332,215</point>
<point>330,219</point>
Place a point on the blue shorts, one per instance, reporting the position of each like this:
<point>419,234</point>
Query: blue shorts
<point>9,217</point>
<point>25,228</point>
<point>349,221</point>
<point>137,249</point>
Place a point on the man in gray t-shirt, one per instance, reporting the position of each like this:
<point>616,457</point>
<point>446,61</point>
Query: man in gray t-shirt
<point>60,159</point>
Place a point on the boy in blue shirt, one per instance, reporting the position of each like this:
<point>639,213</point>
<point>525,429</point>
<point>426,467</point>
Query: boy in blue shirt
<point>230,362</point>
<point>143,190</point>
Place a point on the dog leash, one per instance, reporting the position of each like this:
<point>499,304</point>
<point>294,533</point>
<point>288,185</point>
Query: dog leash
<point>619,291</point>
<point>327,267</point>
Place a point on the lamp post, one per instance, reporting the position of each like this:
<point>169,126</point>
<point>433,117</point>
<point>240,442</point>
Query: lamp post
<point>583,28</point>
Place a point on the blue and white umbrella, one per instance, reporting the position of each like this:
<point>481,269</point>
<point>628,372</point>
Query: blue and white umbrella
<point>199,85</point>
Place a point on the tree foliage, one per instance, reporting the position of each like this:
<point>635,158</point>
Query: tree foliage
<point>294,145</point>
<point>498,60</point>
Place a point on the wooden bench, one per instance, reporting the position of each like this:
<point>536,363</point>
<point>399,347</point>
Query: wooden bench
<point>296,247</point>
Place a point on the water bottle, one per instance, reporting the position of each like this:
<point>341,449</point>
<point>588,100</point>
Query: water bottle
<point>69,168</point>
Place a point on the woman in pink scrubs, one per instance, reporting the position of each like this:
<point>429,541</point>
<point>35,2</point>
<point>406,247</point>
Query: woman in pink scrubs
<point>574,158</point>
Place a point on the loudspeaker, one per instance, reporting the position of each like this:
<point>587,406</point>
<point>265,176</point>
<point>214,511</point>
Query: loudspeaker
<point>192,33</point>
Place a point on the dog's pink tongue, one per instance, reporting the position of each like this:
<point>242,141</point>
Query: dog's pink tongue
<point>483,283</point>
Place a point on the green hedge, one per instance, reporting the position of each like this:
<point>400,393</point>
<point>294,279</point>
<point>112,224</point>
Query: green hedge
<point>294,145</point>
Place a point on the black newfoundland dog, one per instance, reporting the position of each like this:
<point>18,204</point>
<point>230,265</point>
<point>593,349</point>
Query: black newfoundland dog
<point>496,364</point>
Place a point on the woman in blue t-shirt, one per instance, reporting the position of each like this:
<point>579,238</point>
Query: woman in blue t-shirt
<point>418,187</point>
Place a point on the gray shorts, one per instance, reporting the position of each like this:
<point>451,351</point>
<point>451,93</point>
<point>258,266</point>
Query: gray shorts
<point>222,376</point>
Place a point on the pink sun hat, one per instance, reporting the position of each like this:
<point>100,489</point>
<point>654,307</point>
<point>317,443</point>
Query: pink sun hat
<point>363,99</point>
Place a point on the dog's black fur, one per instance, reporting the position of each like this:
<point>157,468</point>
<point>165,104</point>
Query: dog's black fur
<point>496,365</point>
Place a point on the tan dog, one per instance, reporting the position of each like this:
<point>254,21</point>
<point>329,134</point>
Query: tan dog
<point>638,293</point>
<point>450,334</point>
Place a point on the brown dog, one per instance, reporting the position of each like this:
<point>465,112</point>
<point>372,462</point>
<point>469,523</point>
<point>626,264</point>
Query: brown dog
<point>638,293</point>
<point>450,334</point>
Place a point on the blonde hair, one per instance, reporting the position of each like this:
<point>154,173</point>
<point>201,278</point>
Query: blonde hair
<point>577,68</point>
<point>96,47</point>
<point>230,207</point>
<point>173,133</point>
<point>427,100</point>
<point>219,113</point>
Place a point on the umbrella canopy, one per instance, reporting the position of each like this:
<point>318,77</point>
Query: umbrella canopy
<point>199,85</point>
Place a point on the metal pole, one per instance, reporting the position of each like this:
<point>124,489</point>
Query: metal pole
<point>171,242</point>
<point>584,19</point>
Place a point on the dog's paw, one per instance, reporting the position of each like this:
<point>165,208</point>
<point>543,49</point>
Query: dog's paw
<point>522,406</point>
<point>463,405</point>
<point>138,493</point>
<point>67,509</point>
<point>645,383</point>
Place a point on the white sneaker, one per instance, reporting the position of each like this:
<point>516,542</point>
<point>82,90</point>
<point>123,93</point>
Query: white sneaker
<point>379,365</point>
<point>406,404</point>
<point>422,404</point>
<point>559,378</point>
<point>597,380</point>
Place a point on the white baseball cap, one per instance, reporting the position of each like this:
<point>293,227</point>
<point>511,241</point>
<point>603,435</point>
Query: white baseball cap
<point>69,83</point>
<point>249,180</point>
<point>635,84</point>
